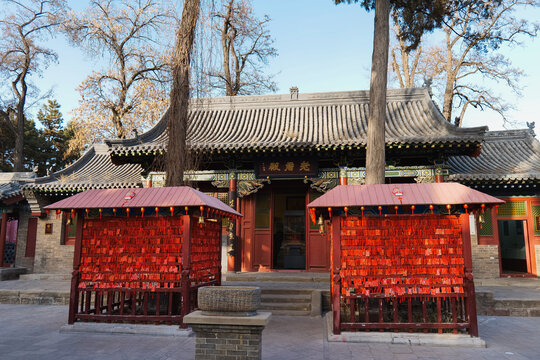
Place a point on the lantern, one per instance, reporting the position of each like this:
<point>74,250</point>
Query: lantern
<point>431,208</point>
<point>157,211</point>
<point>142,212</point>
<point>380,210</point>
<point>320,222</point>
<point>172,210</point>
<point>201,217</point>
<point>100,211</point>
<point>412,209</point>
<point>449,207</point>
<point>466,207</point>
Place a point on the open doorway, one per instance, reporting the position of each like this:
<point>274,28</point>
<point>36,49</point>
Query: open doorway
<point>513,247</point>
<point>289,231</point>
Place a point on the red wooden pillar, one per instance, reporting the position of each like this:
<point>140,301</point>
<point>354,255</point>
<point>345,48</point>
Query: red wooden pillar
<point>3,232</point>
<point>186,266</point>
<point>74,293</point>
<point>335,273</point>
<point>469,283</point>
<point>342,176</point>
<point>439,178</point>
<point>233,260</point>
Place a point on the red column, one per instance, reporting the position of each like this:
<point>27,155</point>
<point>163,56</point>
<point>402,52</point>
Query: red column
<point>469,283</point>
<point>233,260</point>
<point>342,176</point>
<point>336,278</point>
<point>74,293</point>
<point>3,231</point>
<point>186,267</point>
<point>439,178</point>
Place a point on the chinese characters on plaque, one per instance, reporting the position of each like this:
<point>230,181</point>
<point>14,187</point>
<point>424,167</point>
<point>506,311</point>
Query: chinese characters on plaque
<point>287,167</point>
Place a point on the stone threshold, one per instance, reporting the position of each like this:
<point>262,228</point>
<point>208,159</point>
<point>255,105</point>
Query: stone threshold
<point>419,339</point>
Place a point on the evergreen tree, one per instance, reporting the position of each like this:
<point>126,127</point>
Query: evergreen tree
<point>51,119</point>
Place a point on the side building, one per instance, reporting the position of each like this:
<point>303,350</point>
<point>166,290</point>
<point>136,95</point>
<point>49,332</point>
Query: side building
<point>507,242</point>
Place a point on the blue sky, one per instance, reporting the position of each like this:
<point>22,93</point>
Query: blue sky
<point>322,47</point>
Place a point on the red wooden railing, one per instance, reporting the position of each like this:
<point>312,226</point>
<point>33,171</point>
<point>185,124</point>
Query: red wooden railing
<point>161,306</point>
<point>406,313</point>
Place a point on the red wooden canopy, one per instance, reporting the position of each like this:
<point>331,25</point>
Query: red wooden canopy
<point>179,196</point>
<point>402,194</point>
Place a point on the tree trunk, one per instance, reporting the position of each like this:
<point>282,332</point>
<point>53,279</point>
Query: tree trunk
<point>18,154</point>
<point>450,80</point>
<point>375,157</point>
<point>177,152</point>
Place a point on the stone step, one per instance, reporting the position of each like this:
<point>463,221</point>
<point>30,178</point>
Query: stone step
<point>298,277</point>
<point>45,277</point>
<point>290,312</point>
<point>487,305</point>
<point>285,298</point>
<point>12,273</point>
<point>286,306</point>
<point>285,291</point>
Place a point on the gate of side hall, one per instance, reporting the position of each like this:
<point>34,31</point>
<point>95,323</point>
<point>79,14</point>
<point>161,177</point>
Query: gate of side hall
<point>401,256</point>
<point>141,254</point>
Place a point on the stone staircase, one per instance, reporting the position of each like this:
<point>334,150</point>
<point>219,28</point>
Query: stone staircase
<point>289,302</point>
<point>287,294</point>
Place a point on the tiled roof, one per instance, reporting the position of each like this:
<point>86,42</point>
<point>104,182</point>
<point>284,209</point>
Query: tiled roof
<point>506,156</point>
<point>10,183</point>
<point>311,121</point>
<point>9,190</point>
<point>93,170</point>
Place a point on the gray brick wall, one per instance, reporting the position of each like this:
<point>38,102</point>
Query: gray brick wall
<point>52,257</point>
<point>20,258</point>
<point>485,260</point>
<point>215,342</point>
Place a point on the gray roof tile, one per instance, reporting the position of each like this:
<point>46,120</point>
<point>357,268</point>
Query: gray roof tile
<point>311,121</point>
<point>93,170</point>
<point>512,155</point>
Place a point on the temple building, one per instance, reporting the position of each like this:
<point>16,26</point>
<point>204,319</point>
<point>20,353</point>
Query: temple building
<point>268,156</point>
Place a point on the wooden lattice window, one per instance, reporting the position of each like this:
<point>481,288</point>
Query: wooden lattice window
<point>513,208</point>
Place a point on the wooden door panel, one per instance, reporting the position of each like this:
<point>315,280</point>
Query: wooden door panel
<point>248,210</point>
<point>319,252</point>
<point>262,249</point>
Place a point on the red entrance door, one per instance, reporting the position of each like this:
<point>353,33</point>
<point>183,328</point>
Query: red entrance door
<point>277,234</point>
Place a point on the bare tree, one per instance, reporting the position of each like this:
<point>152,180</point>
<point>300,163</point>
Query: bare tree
<point>469,56</point>
<point>246,47</point>
<point>130,34</point>
<point>472,39</point>
<point>23,25</point>
<point>177,150</point>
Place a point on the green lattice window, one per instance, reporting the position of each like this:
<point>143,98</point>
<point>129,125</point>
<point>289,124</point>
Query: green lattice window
<point>513,208</point>
<point>486,229</point>
<point>536,212</point>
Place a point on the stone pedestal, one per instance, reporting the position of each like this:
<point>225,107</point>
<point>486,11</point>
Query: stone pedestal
<point>227,337</point>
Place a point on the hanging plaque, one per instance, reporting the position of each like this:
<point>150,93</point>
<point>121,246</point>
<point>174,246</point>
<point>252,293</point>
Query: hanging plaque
<point>286,168</point>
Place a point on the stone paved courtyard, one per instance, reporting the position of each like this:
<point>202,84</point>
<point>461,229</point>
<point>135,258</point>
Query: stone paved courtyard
<point>31,332</point>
